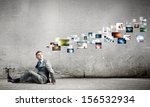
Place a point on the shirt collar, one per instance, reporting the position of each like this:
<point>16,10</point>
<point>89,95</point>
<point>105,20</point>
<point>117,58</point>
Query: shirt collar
<point>41,60</point>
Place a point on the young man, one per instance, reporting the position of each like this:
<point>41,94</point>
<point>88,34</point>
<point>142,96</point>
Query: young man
<point>40,76</point>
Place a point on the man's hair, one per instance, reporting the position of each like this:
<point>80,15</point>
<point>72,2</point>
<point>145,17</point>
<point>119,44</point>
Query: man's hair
<point>38,52</point>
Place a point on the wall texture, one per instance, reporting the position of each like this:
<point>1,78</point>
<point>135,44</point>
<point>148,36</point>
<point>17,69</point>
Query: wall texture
<point>29,25</point>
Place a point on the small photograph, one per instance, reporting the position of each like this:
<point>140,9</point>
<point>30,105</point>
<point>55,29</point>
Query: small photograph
<point>81,45</point>
<point>120,26</point>
<point>127,37</point>
<point>55,47</point>
<point>98,45</point>
<point>117,35</point>
<point>143,29</point>
<point>70,49</point>
<point>85,37</point>
<point>95,40</point>
<point>98,36</point>
<point>63,42</point>
<point>136,25</point>
<point>90,35</point>
<point>134,20</point>
<point>128,24</point>
<point>144,23</point>
<point>144,20</point>
<point>140,38</point>
<point>121,41</point>
<point>141,18</point>
<point>108,39</point>
<point>74,38</point>
<point>106,30</point>
<point>129,29</point>
<point>113,28</point>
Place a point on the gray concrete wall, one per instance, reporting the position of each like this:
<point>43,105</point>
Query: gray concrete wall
<point>29,25</point>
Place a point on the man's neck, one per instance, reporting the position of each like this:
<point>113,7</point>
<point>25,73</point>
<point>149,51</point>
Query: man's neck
<point>41,60</point>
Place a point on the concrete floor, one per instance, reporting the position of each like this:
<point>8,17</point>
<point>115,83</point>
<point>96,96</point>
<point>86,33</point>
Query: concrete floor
<point>82,84</point>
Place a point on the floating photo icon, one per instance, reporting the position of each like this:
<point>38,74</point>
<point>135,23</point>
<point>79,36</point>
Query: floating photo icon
<point>70,49</point>
<point>141,18</point>
<point>143,29</point>
<point>63,42</point>
<point>121,41</point>
<point>74,38</point>
<point>90,35</point>
<point>90,41</point>
<point>144,24</point>
<point>113,28</point>
<point>98,45</point>
<point>85,37</point>
<point>106,30</point>
<point>129,29</point>
<point>81,45</point>
<point>98,35</point>
<point>127,37</point>
<point>117,35</point>
<point>108,39</point>
<point>136,25</point>
<point>120,26</point>
<point>95,40</point>
<point>133,20</point>
<point>56,47</point>
<point>139,38</point>
<point>144,20</point>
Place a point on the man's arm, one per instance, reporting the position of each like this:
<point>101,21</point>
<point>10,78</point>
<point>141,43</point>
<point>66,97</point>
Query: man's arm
<point>49,66</point>
<point>51,71</point>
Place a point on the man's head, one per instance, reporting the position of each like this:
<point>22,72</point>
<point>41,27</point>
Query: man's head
<point>39,55</point>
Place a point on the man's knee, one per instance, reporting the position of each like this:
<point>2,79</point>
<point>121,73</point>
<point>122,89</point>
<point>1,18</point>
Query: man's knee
<point>29,72</point>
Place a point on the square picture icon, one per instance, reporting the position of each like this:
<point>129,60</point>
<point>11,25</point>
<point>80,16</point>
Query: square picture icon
<point>81,45</point>
<point>129,29</point>
<point>120,26</point>
<point>98,45</point>
<point>70,50</point>
<point>108,39</point>
<point>90,35</point>
<point>136,25</point>
<point>106,30</point>
<point>74,38</point>
<point>139,38</point>
<point>63,42</point>
<point>127,37</point>
<point>56,47</point>
<point>85,37</point>
<point>117,35</point>
<point>98,36</point>
<point>143,29</point>
<point>121,41</point>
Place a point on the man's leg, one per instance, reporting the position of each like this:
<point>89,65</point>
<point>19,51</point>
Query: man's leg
<point>36,77</point>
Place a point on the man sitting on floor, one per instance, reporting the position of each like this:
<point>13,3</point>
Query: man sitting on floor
<point>40,76</point>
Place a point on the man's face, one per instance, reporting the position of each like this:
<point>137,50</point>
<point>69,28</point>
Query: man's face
<point>39,56</point>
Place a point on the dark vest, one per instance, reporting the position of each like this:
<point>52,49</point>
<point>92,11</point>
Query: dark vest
<point>42,70</point>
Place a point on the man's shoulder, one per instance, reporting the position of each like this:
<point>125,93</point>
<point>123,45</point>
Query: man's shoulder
<point>46,61</point>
